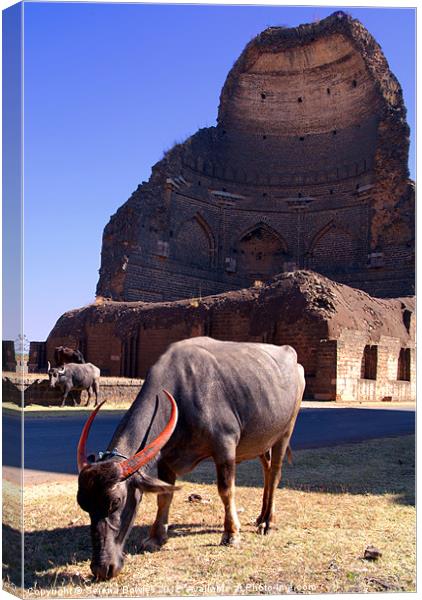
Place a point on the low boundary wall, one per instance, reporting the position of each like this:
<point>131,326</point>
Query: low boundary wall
<point>36,390</point>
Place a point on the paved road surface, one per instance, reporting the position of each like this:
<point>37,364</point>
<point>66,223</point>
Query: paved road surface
<point>50,444</point>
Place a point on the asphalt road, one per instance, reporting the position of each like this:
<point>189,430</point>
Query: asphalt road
<point>50,444</point>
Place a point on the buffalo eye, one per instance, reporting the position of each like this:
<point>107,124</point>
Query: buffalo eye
<point>114,504</point>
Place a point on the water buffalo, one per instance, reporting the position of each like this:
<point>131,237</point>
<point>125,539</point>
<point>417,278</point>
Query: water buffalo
<point>63,355</point>
<point>75,377</point>
<point>235,401</point>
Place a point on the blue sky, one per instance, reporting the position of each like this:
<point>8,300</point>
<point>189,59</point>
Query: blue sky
<point>108,88</point>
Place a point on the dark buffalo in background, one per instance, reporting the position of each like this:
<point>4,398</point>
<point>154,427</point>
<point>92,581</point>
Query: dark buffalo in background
<point>73,377</point>
<point>63,355</point>
<point>235,401</point>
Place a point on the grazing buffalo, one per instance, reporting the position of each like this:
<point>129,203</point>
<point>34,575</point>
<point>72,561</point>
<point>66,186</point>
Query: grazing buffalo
<point>235,401</point>
<point>75,377</point>
<point>63,355</point>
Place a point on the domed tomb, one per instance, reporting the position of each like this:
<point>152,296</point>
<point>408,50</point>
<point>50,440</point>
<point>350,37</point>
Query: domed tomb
<point>306,168</point>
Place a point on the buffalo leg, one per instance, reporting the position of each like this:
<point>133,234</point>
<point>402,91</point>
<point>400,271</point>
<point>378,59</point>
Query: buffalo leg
<point>157,536</point>
<point>96,388</point>
<point>89,392</point>
<point>277,455</point>
<point>226,474</point>
<point>266,467</point>
<point>65,395</point>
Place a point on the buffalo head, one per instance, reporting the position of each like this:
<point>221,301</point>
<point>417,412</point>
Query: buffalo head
<point>54,375</point>
<point>110,491</point>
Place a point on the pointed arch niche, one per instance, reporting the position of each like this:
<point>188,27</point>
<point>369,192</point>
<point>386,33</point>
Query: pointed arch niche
<point>333,249</point>
<point>195,243</point>
<point>261,251</point>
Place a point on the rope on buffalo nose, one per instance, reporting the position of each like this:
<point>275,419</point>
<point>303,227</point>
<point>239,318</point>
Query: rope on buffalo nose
<point>110,454</point>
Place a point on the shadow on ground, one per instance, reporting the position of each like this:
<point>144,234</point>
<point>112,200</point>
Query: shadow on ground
<point>376,467</point>
<point>50,549</point>
<point>379,467</point>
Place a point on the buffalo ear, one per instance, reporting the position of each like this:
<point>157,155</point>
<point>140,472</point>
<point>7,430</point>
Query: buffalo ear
<point>154,486</point>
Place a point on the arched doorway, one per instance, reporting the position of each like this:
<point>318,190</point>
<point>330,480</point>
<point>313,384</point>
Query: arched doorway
<point>261,252</point>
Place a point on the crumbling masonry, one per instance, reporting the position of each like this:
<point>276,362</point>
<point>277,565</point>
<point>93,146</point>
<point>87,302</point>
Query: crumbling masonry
<point>248,230</point>
<point>306,168</point>
<point>352,346</point>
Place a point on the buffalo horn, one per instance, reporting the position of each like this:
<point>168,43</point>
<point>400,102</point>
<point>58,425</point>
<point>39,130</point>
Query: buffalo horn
<point>48,366</point>
<point>81,452</point>
<point>61,371</point>
<point>131,465</point>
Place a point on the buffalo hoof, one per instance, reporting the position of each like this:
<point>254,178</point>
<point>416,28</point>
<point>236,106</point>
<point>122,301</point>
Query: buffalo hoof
<point>265,528</point>
<point>152,544</point>
<point>230,539</point>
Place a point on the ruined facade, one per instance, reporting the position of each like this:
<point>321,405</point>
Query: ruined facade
<point>352,346</point>
<point>306,168</point>
<point>290,222</point>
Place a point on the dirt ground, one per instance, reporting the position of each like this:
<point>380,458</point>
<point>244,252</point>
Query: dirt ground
<point>332,504</point>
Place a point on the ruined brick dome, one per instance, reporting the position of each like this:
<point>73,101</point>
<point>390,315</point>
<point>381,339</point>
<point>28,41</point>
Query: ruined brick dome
<point>302,100</point>
<point>307,167</point>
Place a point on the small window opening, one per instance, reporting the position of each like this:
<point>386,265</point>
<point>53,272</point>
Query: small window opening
<point>299,195</point>
<point>264,137</point>
<point>224,132</point>
<point>369,362</point>
<point>264,194</point>
<point>331,192</point>
<point>224,190</point>
<point>328,91</point>
<point>407,318</point>
<point>403,365</point>
<point>171,233</point>
<point>355,83</point>
<point>199,183</point>
<point>334,131</point>
<point>357,186</point>
<point>263,95</point>
<point>301,139</point>
<point>300,99</point>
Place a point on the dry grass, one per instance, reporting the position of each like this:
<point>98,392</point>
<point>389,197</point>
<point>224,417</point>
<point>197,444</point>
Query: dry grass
<point>333,504</point>
<point>38,410</point>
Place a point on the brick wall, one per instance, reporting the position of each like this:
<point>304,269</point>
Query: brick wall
<point>8,355</point>
<point>384,386</point>
<point>300,155</point>
<point>332,328</point>
<point>36,390</point>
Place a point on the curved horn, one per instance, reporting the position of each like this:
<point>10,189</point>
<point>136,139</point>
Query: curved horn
<point>131,465</point>
<point>81,452</point>
<point>48,366</point>
<point>61,371</point>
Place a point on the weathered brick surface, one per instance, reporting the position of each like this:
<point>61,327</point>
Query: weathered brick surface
<point>36,390</point>
<point>306,168</point>
<point>327,323</point>
<point>8,355</point>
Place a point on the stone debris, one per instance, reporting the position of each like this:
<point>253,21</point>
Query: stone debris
<point>372,553</point>
<point>198,499</point>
